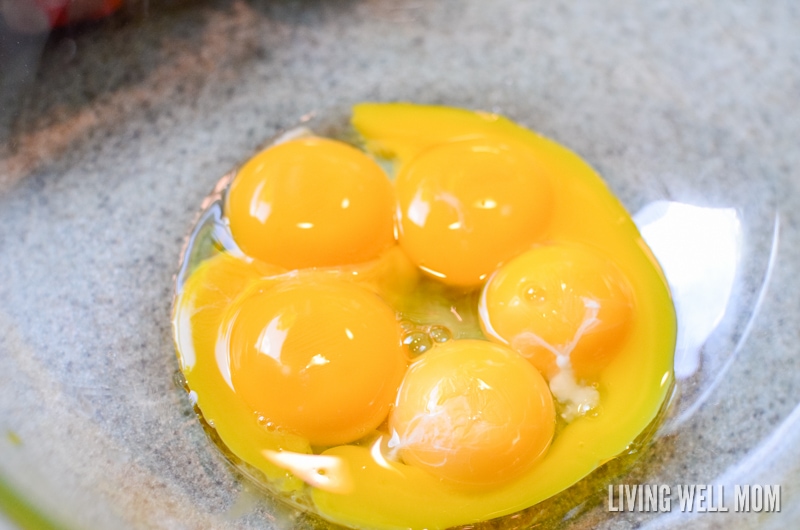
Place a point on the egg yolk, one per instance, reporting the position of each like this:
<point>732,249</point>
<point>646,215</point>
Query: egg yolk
<point>472,412</point>
<point>559,305</point>
<point>320,359</point>
<point>467,206</point>
<point>311,202</point>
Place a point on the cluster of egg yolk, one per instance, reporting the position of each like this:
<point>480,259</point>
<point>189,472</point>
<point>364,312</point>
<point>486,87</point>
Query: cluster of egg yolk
<point>470,412</point>
<point>307,333</point>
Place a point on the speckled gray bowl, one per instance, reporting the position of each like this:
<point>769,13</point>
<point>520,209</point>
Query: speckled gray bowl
<point>111,134</point>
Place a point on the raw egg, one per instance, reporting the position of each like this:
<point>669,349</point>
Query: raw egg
<point>311,202</point>
<point>467,206</point>
<point>472,412</point>
<point>559,305</point>
<point>451,324</point>
<point>322,359</point>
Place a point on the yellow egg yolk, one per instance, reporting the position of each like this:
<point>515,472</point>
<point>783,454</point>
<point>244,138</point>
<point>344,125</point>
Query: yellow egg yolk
<point>467,206</point>
<point>319,359</point>
<point>472,412</point>
<point>311,202</point>
<point>559,306</point>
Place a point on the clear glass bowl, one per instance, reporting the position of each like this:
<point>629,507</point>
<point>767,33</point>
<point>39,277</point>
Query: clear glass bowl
<point>117,130</point>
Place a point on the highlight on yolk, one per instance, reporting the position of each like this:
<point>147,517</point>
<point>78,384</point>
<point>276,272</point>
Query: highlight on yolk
<point>467,206</point>
<point>320,359</point>
<point>559,305</point>
<point>472,412</point>
<point>311,202</point>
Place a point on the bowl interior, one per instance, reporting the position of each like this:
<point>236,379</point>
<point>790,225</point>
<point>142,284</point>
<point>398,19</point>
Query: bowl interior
<point>119,129</point>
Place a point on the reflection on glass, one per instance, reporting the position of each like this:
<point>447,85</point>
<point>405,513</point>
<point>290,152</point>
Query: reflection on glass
<point>699,251</point>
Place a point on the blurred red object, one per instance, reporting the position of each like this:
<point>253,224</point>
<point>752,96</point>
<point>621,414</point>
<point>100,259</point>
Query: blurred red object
<point>36,16</point>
